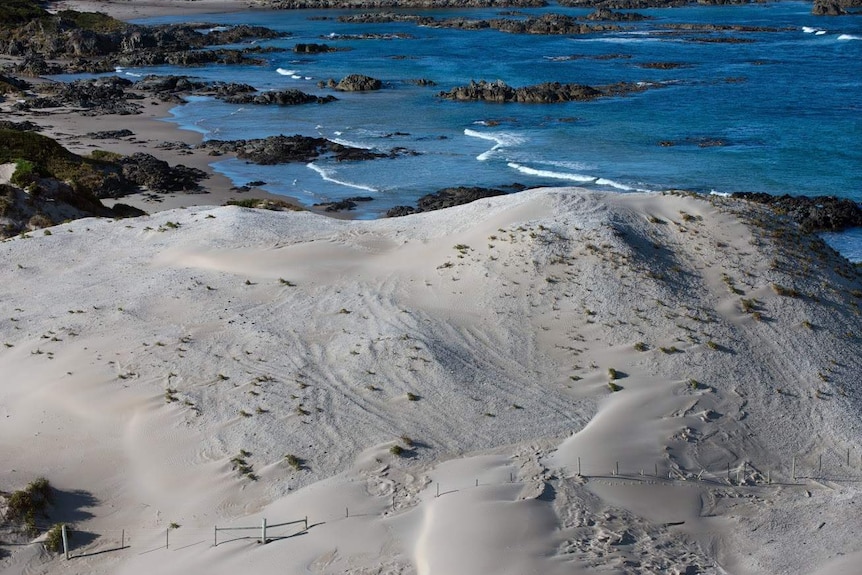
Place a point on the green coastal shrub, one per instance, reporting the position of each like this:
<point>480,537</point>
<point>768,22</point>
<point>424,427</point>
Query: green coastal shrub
<point>14,12</point>
<point>54,538</point>
<point>92,21</point>
<point>24,505</point>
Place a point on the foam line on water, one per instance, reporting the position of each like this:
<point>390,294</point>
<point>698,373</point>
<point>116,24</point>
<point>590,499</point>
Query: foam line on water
<point>351,144</point>
<point>551,174</point>
<point>286,72</point>
<point>327,176</point>
<point>845,37</point>
<point>500,139</point>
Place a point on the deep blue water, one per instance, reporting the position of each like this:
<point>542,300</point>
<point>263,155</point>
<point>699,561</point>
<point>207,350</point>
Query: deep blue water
<point>787,107</point>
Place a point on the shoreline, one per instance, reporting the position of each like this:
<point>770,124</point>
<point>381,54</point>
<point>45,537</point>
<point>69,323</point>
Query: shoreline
<point>150,128</point>
<point>133,10</point>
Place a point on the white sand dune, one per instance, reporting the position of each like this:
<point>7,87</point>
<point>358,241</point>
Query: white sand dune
<point>140,357</point>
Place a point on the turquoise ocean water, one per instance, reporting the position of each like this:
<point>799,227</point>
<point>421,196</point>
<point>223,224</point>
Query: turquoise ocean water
<point>785,106</point>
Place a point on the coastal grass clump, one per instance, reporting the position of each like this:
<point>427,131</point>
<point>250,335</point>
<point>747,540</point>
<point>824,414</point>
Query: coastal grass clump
<point>296,462</point>
<point>785,291</point>
<point>241,465</point>
<point>54,538</point>
<point>23,506</point>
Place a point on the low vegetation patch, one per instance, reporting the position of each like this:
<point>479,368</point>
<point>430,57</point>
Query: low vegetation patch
<point>25,505</point>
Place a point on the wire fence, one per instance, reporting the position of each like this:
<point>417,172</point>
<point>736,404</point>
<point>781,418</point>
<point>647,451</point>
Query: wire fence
<point>840,466</point>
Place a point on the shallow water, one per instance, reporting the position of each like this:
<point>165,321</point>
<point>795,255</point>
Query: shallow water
<point>784,109</point>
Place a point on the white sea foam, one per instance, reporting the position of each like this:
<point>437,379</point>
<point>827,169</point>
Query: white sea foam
<point>285,72</point>
<point>551,174</point>
<point>613,184</point>
<point>618,40</point>
<point>500,139</point>
<point>327,176</point>
<point>722,194</point>
<point>568,165</point>
<point>820,33</point>
<point>809,29</point>
<point>133,75</point>
<point>118,70</point>
<point>351,144</point>
<point>849,37</point>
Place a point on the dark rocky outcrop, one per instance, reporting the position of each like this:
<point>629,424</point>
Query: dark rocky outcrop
<point>280,98</point>
<point>814,214</point>
<point>157,175</point>
<point>377,4</point>
<point>346,204</point>
<point>94,97</point>
<point>315,48</point>
<point>25,126</point>
<point>358,83</point>
<point>95,42</point>
<point>546,24</point>
<point>608,15</point>
<point>445,198</point>
<point>546,93</point>
<point>662,65</point>
<point>12,84</point>
<point>110,134</point>
<point>284,149</point>
<point>835,7</point>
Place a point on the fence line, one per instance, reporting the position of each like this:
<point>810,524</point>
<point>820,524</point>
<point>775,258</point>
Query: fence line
<point>812,467</point>
<point>262,528</point>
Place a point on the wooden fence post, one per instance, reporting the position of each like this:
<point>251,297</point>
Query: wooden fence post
<point>167,537</point>
<point>123,539</point>
<point>215,535</point>
<point>263,531</point>
<point>65,541</point>
<point>793,468</point>
<point>579,466</point>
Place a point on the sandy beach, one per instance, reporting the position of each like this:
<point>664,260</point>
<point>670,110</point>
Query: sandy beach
<point>134,9</point>
<point>556,381</point>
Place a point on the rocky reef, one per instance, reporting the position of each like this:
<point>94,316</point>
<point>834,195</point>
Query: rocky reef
<point>280,98</point>
<point>95,42</point>
<point>813,214</point>
<point>545,93</point>
<point>446,198</point>
<point>285,149</point>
